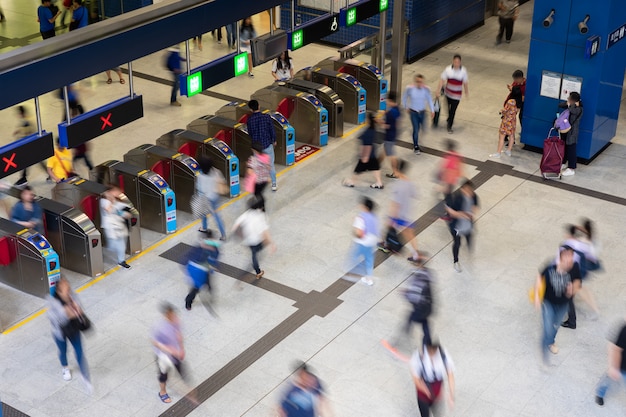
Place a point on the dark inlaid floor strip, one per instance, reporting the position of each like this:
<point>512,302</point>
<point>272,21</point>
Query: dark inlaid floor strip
<point>8,411</point>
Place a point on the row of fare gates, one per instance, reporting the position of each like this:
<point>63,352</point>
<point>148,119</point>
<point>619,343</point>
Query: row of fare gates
<point>157,180</point>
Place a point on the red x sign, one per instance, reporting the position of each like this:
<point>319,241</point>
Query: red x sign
<point>106,121</point>
<point>9,162</point>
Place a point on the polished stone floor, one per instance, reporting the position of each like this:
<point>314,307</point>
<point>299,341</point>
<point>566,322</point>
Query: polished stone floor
<point>240,352</point>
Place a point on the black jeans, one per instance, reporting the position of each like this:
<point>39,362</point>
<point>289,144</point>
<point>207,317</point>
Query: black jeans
<point>506,25</point>
<point>571,313</point>
<point>255,261</point>
<point>193,293</point>
<point>48,34</point>
<point>457,243</point>
<point>570,156</point>
<point>452,105</point>
<point>258,193</point>
<point>175,87</point>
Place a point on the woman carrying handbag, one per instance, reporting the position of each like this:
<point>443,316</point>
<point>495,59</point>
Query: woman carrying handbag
<point>68,320</point>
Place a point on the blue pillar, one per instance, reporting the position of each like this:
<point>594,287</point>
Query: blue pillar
<point>559,51</point>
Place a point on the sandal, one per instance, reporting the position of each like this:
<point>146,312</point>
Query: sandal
<point>165,398</point>
<point>109,81</point>
<point>122,81</point>
<point>377,186</point>
<point>392,176</point>
<point>347,184</point>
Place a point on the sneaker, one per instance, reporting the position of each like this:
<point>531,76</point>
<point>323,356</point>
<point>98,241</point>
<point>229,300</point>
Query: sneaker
<point>553,349</point>
<point>457,267</point>
<point>569,325</point>
<point>175,104</point>
<point>450,131</point>
<point>563,167</point>
<point>251,75</point>
<point>274,187</point>
<point>599,401</point>
<point>495,155</point>
<point>124,265</point>
<point>417,151</point>
<point>21,181</point>
<point>67,375</point>
<point>507,153</point>
<point>568,172</point>
<point>367,281</point>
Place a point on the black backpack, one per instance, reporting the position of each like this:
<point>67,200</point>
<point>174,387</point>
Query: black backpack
<point>419,291</point>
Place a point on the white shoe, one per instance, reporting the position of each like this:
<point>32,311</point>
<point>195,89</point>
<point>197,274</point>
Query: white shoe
<point>564,166</point>
<point>67,375</point>
<point>507,153</point>
<point>274,187</point>
<point>495,155</point>
<point>457,267</point>
<point>367,281</point>
<point>568,172</point>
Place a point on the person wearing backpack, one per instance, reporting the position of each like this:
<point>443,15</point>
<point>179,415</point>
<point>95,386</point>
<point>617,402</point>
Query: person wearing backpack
<point>429,367</point>
<point>419,294</point>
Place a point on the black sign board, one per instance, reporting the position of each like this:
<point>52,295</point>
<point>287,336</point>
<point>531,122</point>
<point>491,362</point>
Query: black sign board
<point>313,31</point>
<point>99,121</point>
<point>25,152</point>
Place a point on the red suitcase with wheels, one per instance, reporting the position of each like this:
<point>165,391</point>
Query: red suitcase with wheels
<point>552,158</point>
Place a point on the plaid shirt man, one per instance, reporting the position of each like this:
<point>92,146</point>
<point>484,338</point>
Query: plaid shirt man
<point>261,129</point>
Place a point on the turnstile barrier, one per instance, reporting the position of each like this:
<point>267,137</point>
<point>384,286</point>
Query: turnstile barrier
<point>346,86</point>
<point>200,146</point>
<point>179,170</point>
<point>370,77</point>
<point>330,100</point>
<point>147,190</point>
<point>85,196</point>
<point>285,133</point>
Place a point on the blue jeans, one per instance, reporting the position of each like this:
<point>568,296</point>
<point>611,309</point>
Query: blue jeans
<point>218,220</point>
<point>366,253</point>
<point>270,151</point>
<point>417,119</point>
<point>255,260</point>
<point>78,350</point>
<point>553,315</point>
<point>606,383</point>
<point>231,29</point>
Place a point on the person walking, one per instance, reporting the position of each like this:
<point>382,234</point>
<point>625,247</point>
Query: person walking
<point>509,122</point>
<point>231,35</point>
<point>462,209</point>
<point>210,183</point>
<point>452,83</point>
<point>113,214</point>
<point>617,365</point>
<point>253,227</point>
<point>402,192</point>
<point>282,67</point>
<point>219,35</point>
<point>451,169</point>
<point>574,106</point>
<point>366,233</point>
<point>261,130</point>
<point>46,19</point>
<point>258,173</point>
<point>246,34</point>
<point>168,346</point>
<point>27,212</point>
<point>368,160</point>
<point>202,261</point>
<point>67,317</point>
<point>60,166</point>
<point>508,11</point>
<point>173,64</point>
<point>518,81</point>
<point>415,99</point>
<point>390,124</point>
<point>430,366</point>
<point>558,282</point>
<point>304,396</point>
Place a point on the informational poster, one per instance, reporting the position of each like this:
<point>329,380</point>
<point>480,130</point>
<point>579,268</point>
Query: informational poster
<point>550,84</point>
<point>325,4</point>
<point>569,85</point>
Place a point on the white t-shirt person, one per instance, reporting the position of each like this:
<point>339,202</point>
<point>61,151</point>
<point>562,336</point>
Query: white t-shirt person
<point>453,80</point>
<point>285,72</point>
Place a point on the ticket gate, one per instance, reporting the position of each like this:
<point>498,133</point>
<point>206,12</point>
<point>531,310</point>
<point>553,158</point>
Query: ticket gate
<point>285,133</point>
<point>231,132</point>
<point>368,75</point>
<point>27,260</point>
<point>330,100</point>
<point>147,190</point>
<point>303,110</point>
<point>200,146</point>
<point>85,195</point>
<point>178,169</point>
<point>346,86</point>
